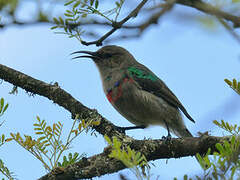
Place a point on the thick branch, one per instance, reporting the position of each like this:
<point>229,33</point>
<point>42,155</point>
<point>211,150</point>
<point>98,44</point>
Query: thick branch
<point>58,96</point>
<point>101,164</point>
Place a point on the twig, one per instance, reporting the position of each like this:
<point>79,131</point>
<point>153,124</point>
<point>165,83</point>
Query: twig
<point>155,17</point>
<point>116,25</point>
<point>230,30</point>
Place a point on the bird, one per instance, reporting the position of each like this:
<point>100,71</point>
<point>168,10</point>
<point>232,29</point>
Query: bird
<point>136,92</point>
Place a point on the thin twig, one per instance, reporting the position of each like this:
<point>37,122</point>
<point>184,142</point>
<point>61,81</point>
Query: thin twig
<point>230,30</point>
<point>155,17</point>
<point>116,25</point>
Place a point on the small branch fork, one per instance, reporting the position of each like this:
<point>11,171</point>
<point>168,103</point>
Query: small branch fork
<point>117,25</point>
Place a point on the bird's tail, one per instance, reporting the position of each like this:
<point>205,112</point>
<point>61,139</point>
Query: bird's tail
<point>182,132</point>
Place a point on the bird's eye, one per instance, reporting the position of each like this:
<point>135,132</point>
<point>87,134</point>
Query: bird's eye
<point>107,55</point>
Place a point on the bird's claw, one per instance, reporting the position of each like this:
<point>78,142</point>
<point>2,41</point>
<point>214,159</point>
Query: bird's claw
<point>167,138</point>
<point>120,129</point>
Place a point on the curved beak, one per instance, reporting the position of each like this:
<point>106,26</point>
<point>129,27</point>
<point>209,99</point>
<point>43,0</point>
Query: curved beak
<point>92,55</point>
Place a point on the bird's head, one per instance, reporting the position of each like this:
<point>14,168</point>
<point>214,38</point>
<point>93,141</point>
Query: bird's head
<point>108,56</point>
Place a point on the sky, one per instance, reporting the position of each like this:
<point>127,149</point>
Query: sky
<point>192,60</point>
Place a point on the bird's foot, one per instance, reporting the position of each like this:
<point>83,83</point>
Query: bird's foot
<point>167,138</point>
<point>121,129</point>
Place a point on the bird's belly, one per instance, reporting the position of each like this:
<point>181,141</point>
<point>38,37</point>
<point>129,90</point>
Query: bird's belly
<point>143,108</point>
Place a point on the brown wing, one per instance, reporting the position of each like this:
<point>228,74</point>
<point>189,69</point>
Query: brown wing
<point>151,83</point>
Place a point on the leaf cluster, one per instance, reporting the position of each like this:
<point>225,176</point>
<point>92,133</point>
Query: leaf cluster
<point>225,163</point>
<point>129,157</point>
<point>70,159</point>
<point>232,129</point>
<point>80,10</point>
<point>5,171</point>
<point>50,146</point>
<point>234,84</point>
<point>3,106</point>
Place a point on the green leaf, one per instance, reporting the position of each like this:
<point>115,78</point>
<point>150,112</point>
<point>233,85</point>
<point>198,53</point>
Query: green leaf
<point>43,124</point>
<point>228,126</point>
<point>91,2</point>
<point>38,133</point>
<point>70,156</point>
<point>41,138</point>
<point>217,123</point>
<point>96,4</point>
<point>75,156</point>
<point>68,19</point>
<point>233,169</point>
<point>234,83</point>
<point>68,15</point>
<point>75,19</point>
<point>37,125</point>
<point>108,139</point>
<point>227,147</point>
<point>54,27</point>
<point>69,12</point>
<point>1,104</point>
<point>220,148</point>
<point>228,82</point>
<point>65,29</point>
<point>3,138</point>
<point>64,159</point>
<point>185,177</point>
<point>69,2</point>
<point>61,20</point>
<point>76,4</point>
<point>5,108</point>
<point>56,20</point>
<point>38,118</point>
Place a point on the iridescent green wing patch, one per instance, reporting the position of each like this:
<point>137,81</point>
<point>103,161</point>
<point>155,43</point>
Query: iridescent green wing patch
<point>141,74</point>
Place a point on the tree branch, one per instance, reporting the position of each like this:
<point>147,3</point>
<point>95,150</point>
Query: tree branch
<point>59,96</point>
<point>209,9</point>
<point>101,164</point>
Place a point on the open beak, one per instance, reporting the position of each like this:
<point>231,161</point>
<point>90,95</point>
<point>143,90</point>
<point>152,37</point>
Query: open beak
<point>92,55</point>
